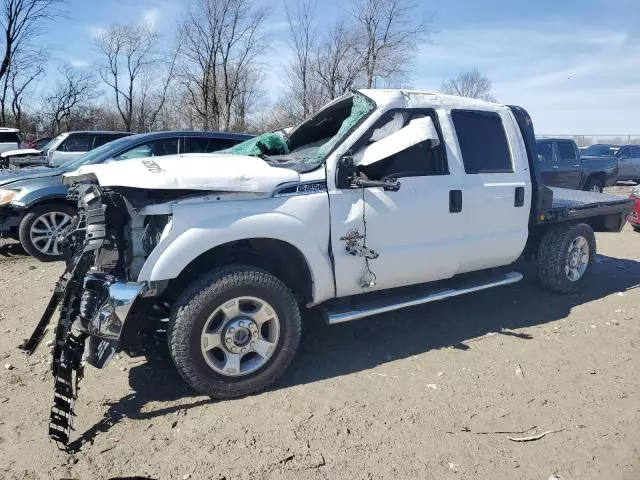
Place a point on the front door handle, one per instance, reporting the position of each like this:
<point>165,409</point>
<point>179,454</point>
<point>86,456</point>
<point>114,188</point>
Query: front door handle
<point>455,201</point>
<point>519,200</point>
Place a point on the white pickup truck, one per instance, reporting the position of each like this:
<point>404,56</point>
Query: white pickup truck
<point>423,196</point>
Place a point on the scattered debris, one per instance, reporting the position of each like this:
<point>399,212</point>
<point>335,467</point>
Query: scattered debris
<point>8,366</point>
<point>4,399</point>
<point>186,476</point>
<point>454,467</point>
<point>49,343</point>
<point>107,449</point>
<point>519,371</point>
<point>533,437</point>
<point>466,429</point>
<point>592,326</point>
<point>432,386</point>
<point>440,374</point>
<point>555,477</point>
<point>621,294</point>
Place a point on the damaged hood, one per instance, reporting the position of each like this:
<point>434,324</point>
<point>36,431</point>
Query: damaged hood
<point>222,172</point>
<point>23,151</point>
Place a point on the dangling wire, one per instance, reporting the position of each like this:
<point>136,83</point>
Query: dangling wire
<point>368,278</point>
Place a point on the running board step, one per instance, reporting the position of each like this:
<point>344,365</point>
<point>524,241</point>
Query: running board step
<point>391,304</point>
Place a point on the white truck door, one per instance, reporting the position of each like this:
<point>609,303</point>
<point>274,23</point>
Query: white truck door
<point>496,187</point>
<point>414,232</point>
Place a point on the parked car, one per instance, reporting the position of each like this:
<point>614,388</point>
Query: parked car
<point>415,196</point>
<point>562,165</point>
<point>23,157</point>
<point>600,150</point>
<point>39,143</point>
<point>71,145</point>
<point>634,216</point>
<point>10,139</point>
<point>629,162</point>
<point>33,203</point>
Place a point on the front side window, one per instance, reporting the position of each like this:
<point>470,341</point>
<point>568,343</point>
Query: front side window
<point>545,152</point>
<point>483,142</point>
<point>421,159</point>
<point>567,152</point>
<point>624,152</point>
<point>156,148</point>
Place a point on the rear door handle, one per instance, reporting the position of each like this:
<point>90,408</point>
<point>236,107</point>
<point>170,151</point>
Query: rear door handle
<point>519,201</point>
<point>455,201</point>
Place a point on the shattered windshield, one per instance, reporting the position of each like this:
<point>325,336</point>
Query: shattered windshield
<point>310,142</point>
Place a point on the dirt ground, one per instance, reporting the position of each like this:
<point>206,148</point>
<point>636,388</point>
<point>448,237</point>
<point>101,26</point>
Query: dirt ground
<point>420,393</point>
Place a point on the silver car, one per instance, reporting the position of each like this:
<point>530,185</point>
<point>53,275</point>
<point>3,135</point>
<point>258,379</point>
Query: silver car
<point>71,145</point>
<point>629,162</point>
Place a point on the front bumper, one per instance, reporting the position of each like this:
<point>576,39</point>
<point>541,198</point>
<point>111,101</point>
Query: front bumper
<point>9,219</point>
<point>106,306</point>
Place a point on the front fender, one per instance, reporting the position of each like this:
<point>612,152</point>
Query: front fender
<point>302,222</point>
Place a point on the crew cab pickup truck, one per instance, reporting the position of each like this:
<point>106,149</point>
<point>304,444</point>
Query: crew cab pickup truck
<point>562,165</point>
<point>384,199</point>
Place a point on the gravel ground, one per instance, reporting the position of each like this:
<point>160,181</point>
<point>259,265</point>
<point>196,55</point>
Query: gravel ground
<point>420,393</point>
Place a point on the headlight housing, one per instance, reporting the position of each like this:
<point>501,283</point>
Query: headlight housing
<point>6,195</point>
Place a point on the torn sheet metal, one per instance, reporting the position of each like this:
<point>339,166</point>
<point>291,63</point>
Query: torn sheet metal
<point>225,173</point>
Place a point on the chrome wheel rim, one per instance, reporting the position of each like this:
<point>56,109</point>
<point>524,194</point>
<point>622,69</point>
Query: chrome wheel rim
<point>577,259</point>
<point>46,231</point>
<point>240,336</point>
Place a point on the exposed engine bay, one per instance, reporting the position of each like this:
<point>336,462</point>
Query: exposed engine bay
<point>102,248</point>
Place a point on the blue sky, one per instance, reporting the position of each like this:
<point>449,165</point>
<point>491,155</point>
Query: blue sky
<point>575,65</point>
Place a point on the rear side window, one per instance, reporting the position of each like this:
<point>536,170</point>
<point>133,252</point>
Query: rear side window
<point>483,142</point>
<point>567,152</point>
<point>196,145</point>
<point>9,137</point>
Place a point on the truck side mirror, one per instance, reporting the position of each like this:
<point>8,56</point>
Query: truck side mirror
<point>346,171</point>
<point>416,131</point>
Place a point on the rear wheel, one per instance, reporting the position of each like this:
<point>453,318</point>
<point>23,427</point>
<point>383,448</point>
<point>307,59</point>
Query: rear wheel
<point>234,332</point>
<point>593,185</point>
<point>41,229</point>
<point>636,228</point>
<point>565,255</point>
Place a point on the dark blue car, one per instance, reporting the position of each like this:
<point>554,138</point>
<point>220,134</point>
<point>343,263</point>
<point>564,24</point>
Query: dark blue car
<point>33,205</point>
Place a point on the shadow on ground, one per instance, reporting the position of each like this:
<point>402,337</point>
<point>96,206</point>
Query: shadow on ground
<point>330,351</point>
<point>11,248</point>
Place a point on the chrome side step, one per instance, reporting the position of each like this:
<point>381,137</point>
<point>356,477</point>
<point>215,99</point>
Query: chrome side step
<point>340,316</point>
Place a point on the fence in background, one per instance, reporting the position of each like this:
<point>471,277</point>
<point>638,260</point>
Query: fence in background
<point>586,140</point>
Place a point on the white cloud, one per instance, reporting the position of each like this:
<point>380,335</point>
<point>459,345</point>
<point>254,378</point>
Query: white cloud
<point>150,17</point>
<point>79,63</point>
<point>571,78</point>
<point>95,31</point>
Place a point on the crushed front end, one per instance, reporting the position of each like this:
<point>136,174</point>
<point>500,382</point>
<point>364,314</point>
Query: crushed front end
<point>94,295</point>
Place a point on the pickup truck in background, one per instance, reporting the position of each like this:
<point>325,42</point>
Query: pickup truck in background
<point>384,199</point>
<point>629,162</point>
<point>562,165</point>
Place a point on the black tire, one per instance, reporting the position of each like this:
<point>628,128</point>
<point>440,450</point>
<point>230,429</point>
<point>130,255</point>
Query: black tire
<point>636,228</point>
<point>27,222</point>
<point>592,184</point>
<point>196,304</point>
<point>553,253</point>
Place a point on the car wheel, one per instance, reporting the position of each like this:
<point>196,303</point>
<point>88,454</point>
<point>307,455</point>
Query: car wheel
<point>234,332</point>
<point>636,228</point>
<point>565,255</point>
<point>41,228</point>
<point>593,185</point>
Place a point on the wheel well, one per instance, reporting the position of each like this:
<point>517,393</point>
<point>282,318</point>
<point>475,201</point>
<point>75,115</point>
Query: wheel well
<point>597,176</point>
<point>44,201</point>
<point>277,257</point>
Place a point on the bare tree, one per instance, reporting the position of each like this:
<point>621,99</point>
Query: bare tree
<point>23,71</point>
<point>132,60</point>
<point>337,65</point>
<point>470,84</point>
<point>389,31</point>
<point>222,39</point>
<point>301,40</point>
<point>71,95</point>
<point>21,21</point>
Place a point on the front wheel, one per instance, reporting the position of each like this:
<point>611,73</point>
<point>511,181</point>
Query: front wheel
<point>41,229</point>
<point>234,332</point>
<point>593,185</point>
<point>565,256</point>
